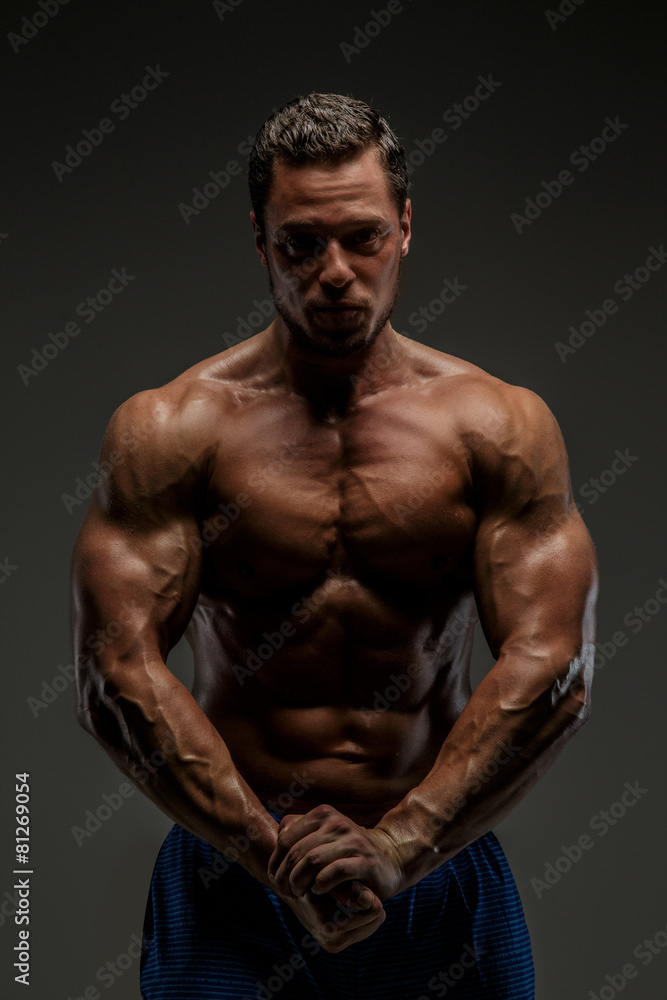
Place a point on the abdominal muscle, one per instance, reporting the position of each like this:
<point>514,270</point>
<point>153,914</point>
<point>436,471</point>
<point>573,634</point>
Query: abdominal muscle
<point>351,710</point>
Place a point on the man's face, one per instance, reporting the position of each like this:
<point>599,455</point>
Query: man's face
<point>333,242</point>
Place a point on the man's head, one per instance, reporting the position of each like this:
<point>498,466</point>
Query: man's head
<point>324,128</point>
<point>328,182</point>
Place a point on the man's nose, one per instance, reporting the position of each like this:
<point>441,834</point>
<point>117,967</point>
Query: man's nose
<point>334,266</point>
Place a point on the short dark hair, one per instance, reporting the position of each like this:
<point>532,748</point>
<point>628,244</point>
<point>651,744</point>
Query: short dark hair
<point>324,128</point>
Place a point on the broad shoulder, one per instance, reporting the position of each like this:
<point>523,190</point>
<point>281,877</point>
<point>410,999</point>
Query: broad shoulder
<point>163,440</point>
<point>188,412</point>
<point>483,405</point>
<point>510,436</point>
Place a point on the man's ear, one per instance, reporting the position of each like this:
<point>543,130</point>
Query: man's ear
<point>260,245</point>
<point>406,226</point>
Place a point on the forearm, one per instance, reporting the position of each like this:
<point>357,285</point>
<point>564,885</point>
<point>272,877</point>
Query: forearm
<point>154,730</point>
<point>497,750</point>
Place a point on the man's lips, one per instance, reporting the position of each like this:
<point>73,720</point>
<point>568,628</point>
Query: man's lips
<point>338,307</point>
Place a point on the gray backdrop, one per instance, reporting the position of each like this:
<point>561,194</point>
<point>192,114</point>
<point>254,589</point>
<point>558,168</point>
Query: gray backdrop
<point>543,196</point>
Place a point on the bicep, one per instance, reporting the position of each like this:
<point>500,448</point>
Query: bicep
<point>534,562</point>
<point>137,560</point>
<point>134,588</point>
<point>536,586</point>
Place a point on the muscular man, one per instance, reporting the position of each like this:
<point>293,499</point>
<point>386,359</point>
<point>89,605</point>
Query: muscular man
<point>323,510</point>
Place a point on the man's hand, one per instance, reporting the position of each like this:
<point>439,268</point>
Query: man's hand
<point>323,849</point>
<point>332,919</point>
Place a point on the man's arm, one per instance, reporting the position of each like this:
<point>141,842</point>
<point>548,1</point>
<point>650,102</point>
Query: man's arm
<point>536,586</point>
<point>136,574</point>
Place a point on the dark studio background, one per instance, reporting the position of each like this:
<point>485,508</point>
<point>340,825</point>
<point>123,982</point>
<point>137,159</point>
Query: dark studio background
<point>60,240</point>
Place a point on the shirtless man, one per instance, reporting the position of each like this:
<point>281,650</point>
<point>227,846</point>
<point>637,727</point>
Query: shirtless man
<point>323,510</point>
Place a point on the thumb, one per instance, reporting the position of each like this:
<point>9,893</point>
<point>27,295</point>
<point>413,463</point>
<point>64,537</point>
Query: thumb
<point>354,894</point>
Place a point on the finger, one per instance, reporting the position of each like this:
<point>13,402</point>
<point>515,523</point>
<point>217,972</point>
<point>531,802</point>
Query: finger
<point>287,821</point>
<point>280,849</point>
<point>336,937</point>
<point>289,834</point>
<point>356,896</point>
<point>307,854</point>
<point>325,866</point>
<point>340,917</point>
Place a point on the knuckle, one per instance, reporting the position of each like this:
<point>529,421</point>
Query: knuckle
<point>338,868</point>
<point>293,857</point>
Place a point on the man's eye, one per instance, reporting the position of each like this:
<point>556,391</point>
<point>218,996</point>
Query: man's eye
<point>364,236</point>
<point>299,243</point>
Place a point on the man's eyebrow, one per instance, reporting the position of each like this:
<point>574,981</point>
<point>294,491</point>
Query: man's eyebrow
<point>313,223</point>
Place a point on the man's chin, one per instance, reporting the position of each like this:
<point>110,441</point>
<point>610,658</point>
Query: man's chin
<point>331,338</point>
<point>339,346</point>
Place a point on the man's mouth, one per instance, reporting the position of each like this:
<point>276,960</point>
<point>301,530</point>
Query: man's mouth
<point>338,307</point>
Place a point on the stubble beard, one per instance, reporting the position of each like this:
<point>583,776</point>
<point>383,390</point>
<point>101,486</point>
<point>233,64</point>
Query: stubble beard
<point>329,346</point>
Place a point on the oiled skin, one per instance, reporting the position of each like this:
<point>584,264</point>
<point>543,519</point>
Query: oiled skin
<point>332,536</point>
<point>368,514</point>
<point>337,541</point>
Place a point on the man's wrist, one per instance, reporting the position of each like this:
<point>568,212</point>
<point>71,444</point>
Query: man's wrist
<point>417,836</point>
<point>252,845</point>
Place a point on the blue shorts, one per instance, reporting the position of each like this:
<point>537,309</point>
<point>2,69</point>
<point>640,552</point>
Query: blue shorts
<point>212,931</point>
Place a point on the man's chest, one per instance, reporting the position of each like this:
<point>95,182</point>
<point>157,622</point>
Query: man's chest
<point>384,494</point>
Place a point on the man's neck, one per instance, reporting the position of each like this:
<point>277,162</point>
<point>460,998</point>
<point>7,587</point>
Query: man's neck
<point>333,385</point>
